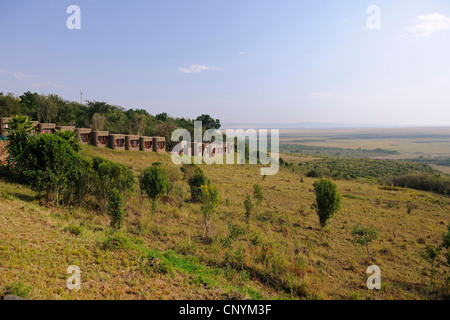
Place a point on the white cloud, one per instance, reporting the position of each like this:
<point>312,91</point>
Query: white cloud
<point>2,71</point>
<point>430,24</point>
<point>21,76</point>
<point>197,68</point>
<point>242,53</point>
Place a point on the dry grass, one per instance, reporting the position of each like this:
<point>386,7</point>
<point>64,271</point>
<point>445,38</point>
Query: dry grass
<point>282,254</point>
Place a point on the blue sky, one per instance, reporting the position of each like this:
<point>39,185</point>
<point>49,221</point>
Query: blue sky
<point>249,61</point>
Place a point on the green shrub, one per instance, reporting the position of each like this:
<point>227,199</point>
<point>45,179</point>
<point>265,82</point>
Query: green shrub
<point>210,201</point>
<point>195,182</point>
<point>258,194</point>
<point>73,229</point>
<point>50,166</point>
<point>248,205</point>
<point>328,200</point>
<point>115,208</point>
<point>154,183</point>
<point>71,138</point>
<point>363,236</point>
<point>111,175</point>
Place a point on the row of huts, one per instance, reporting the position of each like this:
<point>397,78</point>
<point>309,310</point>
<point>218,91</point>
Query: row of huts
<point>101,139</point>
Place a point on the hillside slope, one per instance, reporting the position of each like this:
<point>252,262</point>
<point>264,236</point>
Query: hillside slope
<point>282,253</point>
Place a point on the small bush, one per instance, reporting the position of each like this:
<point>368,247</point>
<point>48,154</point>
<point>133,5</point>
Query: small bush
<point>363,236</point>
<point>115,208</point>
<point>328,200</point>
<point>154,182</point>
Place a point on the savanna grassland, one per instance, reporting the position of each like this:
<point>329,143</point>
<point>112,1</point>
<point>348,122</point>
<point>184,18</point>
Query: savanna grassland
<point>280,253</point>
<point>404,142</point>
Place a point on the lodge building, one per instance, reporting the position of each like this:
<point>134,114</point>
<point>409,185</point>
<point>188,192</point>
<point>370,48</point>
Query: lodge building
<point>103,139</point>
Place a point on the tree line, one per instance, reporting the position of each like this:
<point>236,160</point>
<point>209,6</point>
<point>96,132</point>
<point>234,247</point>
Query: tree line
<point>97,115</point>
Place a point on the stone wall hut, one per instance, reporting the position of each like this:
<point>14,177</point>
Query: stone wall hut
<point>99,138</point>
<point>65,128</point>
<point>146,143</point>
<point>183,144</point>
<point>228,147</point>
<point>84,134</point>
<point>212,149</point>
<point>4,126</point>
<point>116,141</point>
<point>159,144</point>
<point>197,149</point>
<point>46,128</point>
<point>132,143</point>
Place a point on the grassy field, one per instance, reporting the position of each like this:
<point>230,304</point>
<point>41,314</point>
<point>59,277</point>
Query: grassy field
<point>282,254</point>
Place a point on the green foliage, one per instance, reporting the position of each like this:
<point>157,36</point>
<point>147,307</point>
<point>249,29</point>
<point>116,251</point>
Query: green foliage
<point>432,183</point>
<point>248,205</point>
<point>328,200</point>
<point>333,151</point>
<point>71,138</point>
<point>235,233</point>
<point>208,122</point>
<point>9,105</point>
<point>19,133</point>
<point>258,194</point>
<point>363,236</point>
<point>49,164</point>
<point>154,182</point>
<point>74,229</point>
<point>20,123</point>
<point>115,208</point>
<point>18,289</point>
<point>210,200</point>
<point>353,196</point>
<point>195,182</point>
<point>343,168</point>
<point>110,175</point>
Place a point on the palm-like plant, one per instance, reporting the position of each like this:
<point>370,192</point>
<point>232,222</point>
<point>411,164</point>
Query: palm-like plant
<point>71,138</point>
<point>20,124</point>
<point>20,130</point>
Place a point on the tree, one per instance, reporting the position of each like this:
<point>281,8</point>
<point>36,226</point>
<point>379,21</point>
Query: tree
<point>29,104</point>
<point>195,182</point>
<point>98,122</point>
<point>161,117</point>
<point>71,138</point>
<point>9,105</point>
<point>154,183</point>
<point>115,208</point>
<point>210,201</point>
<point>248,205</point>
<point>364,236</point>
<point>208,122</point>
<point>47,108</point>
<point>328,200</point>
